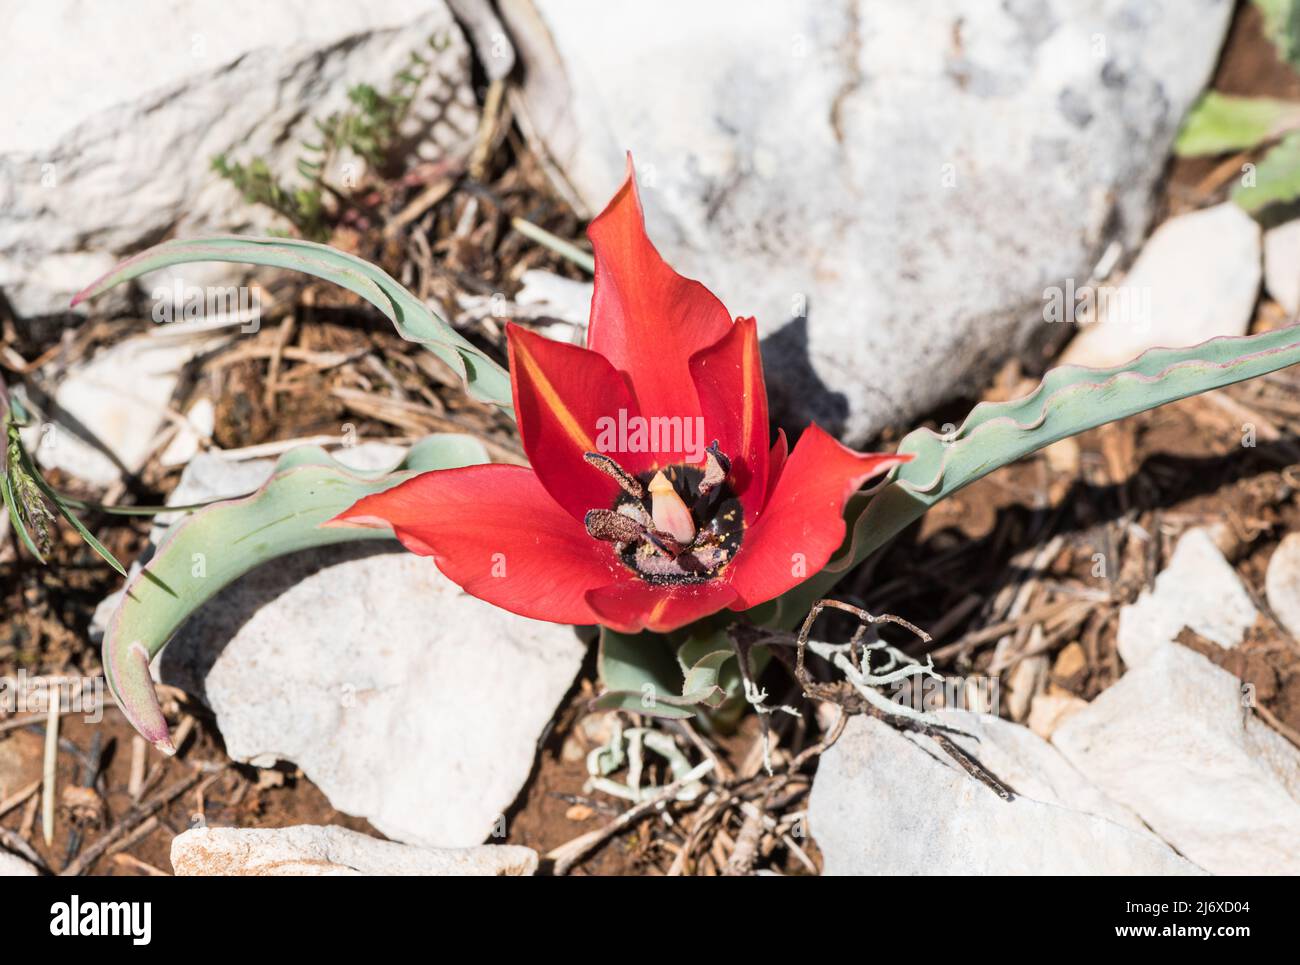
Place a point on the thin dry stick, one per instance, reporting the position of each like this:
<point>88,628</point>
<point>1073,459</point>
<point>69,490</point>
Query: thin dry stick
<point>1270,718</point>
<point>741,861</point>
<point>997,630</point>
<point>854,702</point>
<point>703,820</point>
<point>282,339</point>
<point>421,203</point>
<point>135,864</point>
<point>139,754</point>
<point>487,129</point>
<point>18,797</point>
<point>129,821</point>
<point>13,723</point>
<point>51,769</point>
<point>566,855</point>
<point>15,843</point>
<point>720,766</point>
<point>145,829</point>
<point>28,823</point>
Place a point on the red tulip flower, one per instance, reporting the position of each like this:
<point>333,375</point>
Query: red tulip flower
<point>653,497</point>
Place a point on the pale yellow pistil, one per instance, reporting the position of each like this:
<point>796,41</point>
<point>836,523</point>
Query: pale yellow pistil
<point>669,513</point>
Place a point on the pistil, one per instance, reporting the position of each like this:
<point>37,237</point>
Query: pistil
<point>670,514</point>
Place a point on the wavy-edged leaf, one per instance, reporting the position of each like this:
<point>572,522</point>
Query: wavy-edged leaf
<point>1069,400</point>
<point>1220,123</point>
<point>641,677</point>
<point>484,379</point>
<point>703,658</point>
<point>206,551</point>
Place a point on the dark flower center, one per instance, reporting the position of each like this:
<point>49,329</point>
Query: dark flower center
<point>679,524</point>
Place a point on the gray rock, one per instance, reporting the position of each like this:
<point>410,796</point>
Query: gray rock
<point>891,188</point>
<point>308,850</point>
<point>113,149</point>
<point>1047,711</point>
<point>888,803</point>
<point>1282,265</point>
<point>402,698</point>
<point>405,700</point>
<point>562,298</point>
<point>110,409</point>
<point>1197,278</point>
<point>1174,740</point>
<point>1282,583</point>
<point>1198,589</point>
<point>12,866</point>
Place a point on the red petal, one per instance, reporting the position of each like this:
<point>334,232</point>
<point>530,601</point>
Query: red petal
<point>496,532</point>
<point>733,399</point>
<point>645,318</point>
<point>633,605</point>
<point>776,462</point>
<point>561,393</point>
<point>803,521</point>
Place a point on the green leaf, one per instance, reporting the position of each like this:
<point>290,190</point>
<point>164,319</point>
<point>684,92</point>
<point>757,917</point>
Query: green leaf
<point>206,551</point>
<point>483,378</point>
<point>1220,123</point>
<point>15,517</point>
<point>639,675</point>
<point>1068,401</point>
<point>30,469</point>
<point>1276,180</point>
<point>1282,27</point>
<point>703,658</point>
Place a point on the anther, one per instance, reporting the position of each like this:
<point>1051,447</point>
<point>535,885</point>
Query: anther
<point>609,467</point>
<point>716,467</point>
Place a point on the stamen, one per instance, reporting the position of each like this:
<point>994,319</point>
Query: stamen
<point>680,525</point>
<point>666,543</point>
<point>669,513</point>
<point>716,467</point>
<point>609,467</point>
<point>612,526</point>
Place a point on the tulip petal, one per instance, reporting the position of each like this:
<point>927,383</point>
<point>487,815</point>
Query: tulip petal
<point>561,394</point>
<point>645,318</point>
<point>496,532</point>
<point>775,463</point>
<point>728,378</point>
<point>803,521</point>
<point>632,605</point>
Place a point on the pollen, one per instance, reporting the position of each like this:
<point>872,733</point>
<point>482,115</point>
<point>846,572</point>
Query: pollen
<point>679,524</point>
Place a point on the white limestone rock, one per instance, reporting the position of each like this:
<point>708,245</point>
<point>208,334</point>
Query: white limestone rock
<point>110,117</point>
<point>1282,265</point>
<point>1199,589</point>
<point>110,410</point>
<point>1175,741</point>
<point>891,188</point>
<point>1197,278</point>
<point>1282,583</point>
<point>12,866</point>
<point>315,851</point>
<point>888,803</point>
